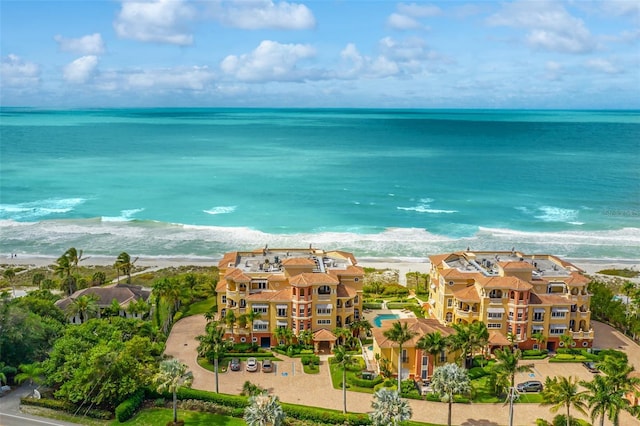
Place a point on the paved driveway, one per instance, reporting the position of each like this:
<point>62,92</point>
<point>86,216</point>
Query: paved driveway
<point>292,385</point>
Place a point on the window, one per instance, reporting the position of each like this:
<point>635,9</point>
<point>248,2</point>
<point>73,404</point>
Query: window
<point>558,313</point>
<point>443,356</point>
<point>243,339</point>
<point>495,294</point>
<point>494,315</point>
<point>450,282</point>
<point>323,311</point>
<point>282,312</point>
<point>355,300</point>
<point>301,311</point>
<point>301,326</point>
<point>511,315</point>
<point>309,310</point>
<point>254,340</point>
<point>585,344</point>
<point>538,316</point>
<point>324,322</point>
<point>494,325</point>
<point>324,289</point>
<point>261,309</point>
<point>449,302</point>
<point>405,356</point>
<point>356,279</point>
<point>557,331</point>
<point>519,315</point>
<point>448,317</point>
<point>224,299</point>
<point>260,325</point>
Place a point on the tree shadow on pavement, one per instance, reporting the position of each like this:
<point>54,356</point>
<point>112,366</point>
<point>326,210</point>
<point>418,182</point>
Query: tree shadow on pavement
<point>479,422</point>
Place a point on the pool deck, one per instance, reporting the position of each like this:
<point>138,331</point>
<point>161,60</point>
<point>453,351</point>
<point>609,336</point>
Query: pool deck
<point>370,315</point>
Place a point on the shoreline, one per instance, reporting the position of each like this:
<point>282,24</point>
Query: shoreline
<point>589,265</point>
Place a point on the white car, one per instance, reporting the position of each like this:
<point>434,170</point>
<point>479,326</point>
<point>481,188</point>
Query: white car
<point>252,364</point>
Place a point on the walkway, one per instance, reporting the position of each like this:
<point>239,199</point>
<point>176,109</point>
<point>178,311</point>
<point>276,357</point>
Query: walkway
<point>292,385</point>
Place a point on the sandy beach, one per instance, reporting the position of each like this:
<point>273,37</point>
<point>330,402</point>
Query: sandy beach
<point>590,266</point>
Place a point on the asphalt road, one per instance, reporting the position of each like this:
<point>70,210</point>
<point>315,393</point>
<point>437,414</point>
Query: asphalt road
<point>10,414</point>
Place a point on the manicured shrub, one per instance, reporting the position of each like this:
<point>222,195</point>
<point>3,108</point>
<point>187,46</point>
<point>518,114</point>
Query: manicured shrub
<point>364,383</point>
<point>219,398</point>
<point>310,360</point>
<point>127,408</point>
<point>477,372</point>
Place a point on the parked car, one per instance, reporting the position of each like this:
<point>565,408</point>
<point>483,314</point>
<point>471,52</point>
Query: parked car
<point>267,366</point>
<point>529,386</point>
<point>252,364</point>
<point>234,365</point>
<point>591,366</point>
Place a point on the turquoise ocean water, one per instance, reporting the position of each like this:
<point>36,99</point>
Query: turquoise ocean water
<point>379,183</point>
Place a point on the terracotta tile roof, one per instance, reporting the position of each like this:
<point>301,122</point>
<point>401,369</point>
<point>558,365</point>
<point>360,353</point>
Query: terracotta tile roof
<point>510,283</point>
<point>309,278</point>
<point>324,335</point>
<point>469,294</point>
<point>276,278</point>
<point>228,258</point>
<point>577,278</point>
<point>516,265</point>
<point>344,255</point>
<point>350,271</point>
<point>222,286</point>
<point>298,261</point>
<point>548,299</point>
<point>345,291</point>
<point>421,326</point>
<point>283,295</point>
<point>437,259</point>
<point>237,275</point>
<point>454,273</point>
<point>498,339</point>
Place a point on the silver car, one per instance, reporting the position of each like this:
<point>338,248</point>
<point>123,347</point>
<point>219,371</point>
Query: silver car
<point>252,364</point>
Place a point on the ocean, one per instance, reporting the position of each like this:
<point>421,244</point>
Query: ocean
<point>400,184</point>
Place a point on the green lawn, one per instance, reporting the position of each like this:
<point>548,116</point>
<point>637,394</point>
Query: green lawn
<point>482,391</point>
<point>336,376</point>
<point>200,307</point>
<point>160,416</point>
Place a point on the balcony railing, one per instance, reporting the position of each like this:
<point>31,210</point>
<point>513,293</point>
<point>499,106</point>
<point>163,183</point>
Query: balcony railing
<point>582,334</point>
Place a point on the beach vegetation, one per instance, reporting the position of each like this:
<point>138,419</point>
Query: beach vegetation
<point>449,380</point>
<point>264,410</point>
<point>171,376</point>
<point>389,408</point>
<point>563,393</point>
<point>623,273</point>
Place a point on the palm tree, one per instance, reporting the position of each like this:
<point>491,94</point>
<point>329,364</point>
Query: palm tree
<point>32,373</point>
<point>124,264</point>
<point>230,319</point>
<point>341,333</point>
<point>75,257</point>
<point>264,410</point>
<point>84,306</point>
<point>567,340</point>
<point>461,341</point>
<point>172,375</point>
<point>251,317</point>
<point>539,338</point>
<point>433,343</point>
<point>344,360</point>
<point>399,333</point>
<point>478,337</point>
<point>602,400</point>
<point>563,392</point>
<point>389,408</point>
<point>213,345</point>
<point>450,380</point>
<point>305,337</point>
<point>505,372</point>
<point>37,279</point>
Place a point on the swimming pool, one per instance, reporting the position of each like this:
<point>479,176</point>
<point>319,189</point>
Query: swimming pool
<point>382,317</point>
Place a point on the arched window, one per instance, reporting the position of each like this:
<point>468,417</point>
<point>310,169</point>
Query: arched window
<point>324,289</point>
<point>449,317</point>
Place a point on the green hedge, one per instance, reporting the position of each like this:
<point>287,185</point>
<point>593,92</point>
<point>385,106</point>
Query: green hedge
<point>372,306</point>
<point>568,358</point>
<point>127,408</point>
<point>324,415</point>
<point>310,360</point>
<point>68,407</point>
<point>364,383</point>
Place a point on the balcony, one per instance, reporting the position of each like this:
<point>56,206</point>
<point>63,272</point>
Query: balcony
<point>495,300</point>
<point>582,334</point>
<point>465,313</point>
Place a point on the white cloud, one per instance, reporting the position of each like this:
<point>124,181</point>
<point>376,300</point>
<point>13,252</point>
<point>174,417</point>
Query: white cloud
<point>419,10</point>
<point>402,22</point>
<point>405,17</point>
<point>270,61</point>
<point>86,45</point>
<point>15,72</point>
<point>602,65</point>
<point>162,21</point>
<point>266,14</point>
<point>550,26</point>
<point>361,66</point>
<point>621,8</point>
<point>81,70</point>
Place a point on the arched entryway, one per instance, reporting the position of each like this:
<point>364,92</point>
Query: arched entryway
<point>324,341</point>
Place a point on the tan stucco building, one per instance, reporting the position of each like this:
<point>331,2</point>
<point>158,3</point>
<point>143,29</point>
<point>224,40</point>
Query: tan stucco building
<point>513,293</point>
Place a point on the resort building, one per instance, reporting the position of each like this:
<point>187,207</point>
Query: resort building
<point>296,289</point>
<point>416,363</point>
<point>516,295</point>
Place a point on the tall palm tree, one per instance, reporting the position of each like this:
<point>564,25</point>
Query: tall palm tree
<point>461,341</point>
<point>567,340</point>
<point>344,360</point>
<point>505,372</point>
<point>213,345</point>
<point>539,338</point>
<point>305,337</point>
<point>562,392</point>
<point>251,317</point>
<point>478,337</point>
<point>84,306</point>
<point>172,375</point>
<point>602,400</point>
<point>264,410</point>
<point>450,380</point>
<point>389,408</point>
<point>230,319</point>
<point>124,264</point>
<point>433,343</point>
<point>400,334</point>
<point>31,372</point>
<point>75,257</point>
<point>341,333</point>
<point>37,279</point>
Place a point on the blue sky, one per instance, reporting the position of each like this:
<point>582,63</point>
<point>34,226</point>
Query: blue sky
<point>325,53</point>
